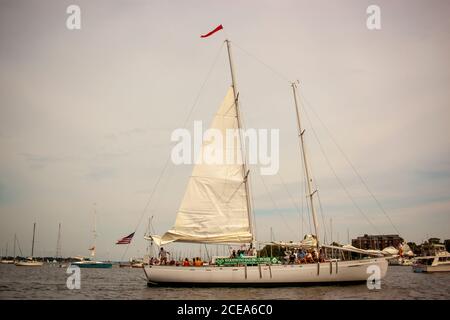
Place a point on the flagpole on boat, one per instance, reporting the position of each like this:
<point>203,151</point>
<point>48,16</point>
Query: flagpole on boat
<point>308,178</point>
<point>244,158</point>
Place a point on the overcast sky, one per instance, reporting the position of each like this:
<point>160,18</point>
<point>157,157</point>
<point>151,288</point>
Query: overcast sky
<point>86,115</point>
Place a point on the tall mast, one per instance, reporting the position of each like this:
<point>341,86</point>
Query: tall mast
<point>308,176</point>
<point>32,244</point>
<point>14,252</point>
<point>148,233</point>
<point>244,158</point>
<point>94,232</point>
<point>58,242</point>
<point>331,231</point>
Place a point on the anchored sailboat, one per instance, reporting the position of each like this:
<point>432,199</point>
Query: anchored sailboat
<point>216,208</point>
<point>87,262</point>
<point>6,260</point>
<point>30,262</point>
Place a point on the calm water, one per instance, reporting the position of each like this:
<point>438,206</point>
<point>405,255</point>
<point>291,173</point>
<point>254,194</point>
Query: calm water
<point>49,282</point>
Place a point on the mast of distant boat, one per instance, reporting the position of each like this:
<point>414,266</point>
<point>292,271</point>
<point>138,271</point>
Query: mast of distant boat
<point>244,158</point>
<point>308,176</point>
<point>14,251</point>
<point>58,242</point>
<point>32,244</point>
<point>94,233</point>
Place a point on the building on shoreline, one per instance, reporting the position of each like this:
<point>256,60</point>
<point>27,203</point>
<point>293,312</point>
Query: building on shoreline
<point>377,242</point>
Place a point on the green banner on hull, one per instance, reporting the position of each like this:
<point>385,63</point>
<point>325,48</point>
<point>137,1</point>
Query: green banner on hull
<point>245,260</point>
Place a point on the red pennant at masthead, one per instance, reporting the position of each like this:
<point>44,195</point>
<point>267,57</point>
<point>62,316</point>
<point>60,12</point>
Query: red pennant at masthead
<point>220,27</point>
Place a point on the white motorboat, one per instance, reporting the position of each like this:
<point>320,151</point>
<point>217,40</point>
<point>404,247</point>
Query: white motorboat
<point>437,260</point>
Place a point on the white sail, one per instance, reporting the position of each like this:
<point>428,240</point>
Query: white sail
<point>214,208</point>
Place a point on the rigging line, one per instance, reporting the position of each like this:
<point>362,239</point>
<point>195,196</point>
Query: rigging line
<point>18,244</point>
<point>163,187</point>
<point>351,165</point>
<point>277,209</point>
<point>184,124</point>
<point>315,185</point>
<point>292,200</point>
<point>279,74</point>
<point>336,176</point>
<point>250,179</point>
<point>304,188</point>
<point>323,218</point>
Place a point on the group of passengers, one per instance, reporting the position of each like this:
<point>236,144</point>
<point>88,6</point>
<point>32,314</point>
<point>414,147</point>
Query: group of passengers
<point>299,256</point>
<point>196,262</point>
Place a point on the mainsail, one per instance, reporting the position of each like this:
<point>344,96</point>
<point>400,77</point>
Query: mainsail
<point>214,208</point>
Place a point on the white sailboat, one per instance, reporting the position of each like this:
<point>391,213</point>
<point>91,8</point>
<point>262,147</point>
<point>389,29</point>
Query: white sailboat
<point>216,209</point>
<point>6,259</point>
<point>30,261</point>
<point>87,262</point>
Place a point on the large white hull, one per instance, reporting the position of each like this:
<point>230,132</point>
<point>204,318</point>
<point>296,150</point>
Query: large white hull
<point>327,272</point>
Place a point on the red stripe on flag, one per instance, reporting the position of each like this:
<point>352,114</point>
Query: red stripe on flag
<point>210,33</point>
<point>125,240</point>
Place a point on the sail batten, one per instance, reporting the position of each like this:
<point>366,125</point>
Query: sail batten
<point>214,207</point>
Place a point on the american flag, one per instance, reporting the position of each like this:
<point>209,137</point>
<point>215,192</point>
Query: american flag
<point>125,240</point>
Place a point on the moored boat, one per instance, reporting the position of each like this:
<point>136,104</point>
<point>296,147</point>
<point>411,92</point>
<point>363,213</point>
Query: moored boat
<point>92,264</point>
<point>437,260</point>
<point>7,261</point>
<point>30,261</point>
<point>88,263</point>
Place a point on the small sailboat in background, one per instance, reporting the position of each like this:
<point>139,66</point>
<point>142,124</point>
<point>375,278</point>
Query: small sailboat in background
<point>87,262</point>
<point>30,261</point>
<point>6,259</point>
<point>404,256</point>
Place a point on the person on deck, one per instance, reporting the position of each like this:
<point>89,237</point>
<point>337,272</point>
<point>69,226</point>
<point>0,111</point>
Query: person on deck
<point>315,255</point>
<point>291,258</point>
<point>301,256</point>
<point>321,255</point>
<point>163,255</point>
<point>198,262</point>
<point>186,263</point>
<point>309,257</point>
